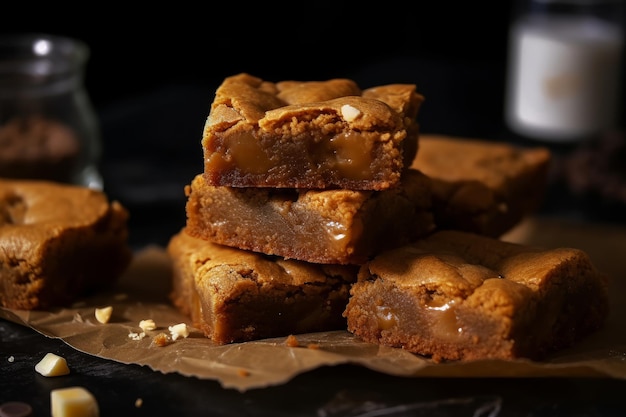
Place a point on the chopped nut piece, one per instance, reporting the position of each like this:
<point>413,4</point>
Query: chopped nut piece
<point>349,113</point>
<point>147,325</point>
<point>73,402</point>
<point>178,330</point>
<point>103,315</point>
<point>52,365</point>
<point>138,402</point>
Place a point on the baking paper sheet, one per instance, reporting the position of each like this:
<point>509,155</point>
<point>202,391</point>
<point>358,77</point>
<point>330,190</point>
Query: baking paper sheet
<point>142,293</point>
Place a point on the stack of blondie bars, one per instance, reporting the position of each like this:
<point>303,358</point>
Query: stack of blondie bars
<point>321,207</point>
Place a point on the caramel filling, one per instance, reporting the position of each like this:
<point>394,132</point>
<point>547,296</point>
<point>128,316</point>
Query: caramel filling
<point>353,153</point>
<point>337,231</point>
<point>387,317</point>
<point>443,319</point>
<point>244,152</point>
<point>350,154</point>
<point>439,317</point>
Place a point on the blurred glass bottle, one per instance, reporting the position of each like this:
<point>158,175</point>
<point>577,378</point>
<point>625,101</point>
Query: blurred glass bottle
<point>564,70</point>
<point>48,127</point>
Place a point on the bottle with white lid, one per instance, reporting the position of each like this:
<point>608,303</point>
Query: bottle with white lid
<point>564,74</point>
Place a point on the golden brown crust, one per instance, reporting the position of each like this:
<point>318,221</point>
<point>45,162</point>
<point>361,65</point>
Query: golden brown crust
<point>482,186</point>
<point>235,295</point>
<point>309,134</point>
<point>461,296</point>
<point>305,92</point>
<point>57,242</point>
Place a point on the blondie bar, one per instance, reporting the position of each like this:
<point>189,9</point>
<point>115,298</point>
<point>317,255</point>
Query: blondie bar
<point>460,296</point>
<point>58,242</point>
<point>482,186</point>
<point>321,226</point>
<point>236,296</point>
<point>309,134</point>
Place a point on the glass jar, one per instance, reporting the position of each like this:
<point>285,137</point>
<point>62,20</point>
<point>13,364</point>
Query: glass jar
<point>564,68</point>
<point>48,127</point>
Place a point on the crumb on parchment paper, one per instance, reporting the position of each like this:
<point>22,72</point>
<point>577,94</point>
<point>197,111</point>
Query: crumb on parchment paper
<point>136,335</point>
<point>292,341</point>
<point>147,325</point>
<point>178,330</point>
<point>161,339</point>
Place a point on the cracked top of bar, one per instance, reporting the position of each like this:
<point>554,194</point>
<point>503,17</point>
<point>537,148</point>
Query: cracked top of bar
<point>310,134</point>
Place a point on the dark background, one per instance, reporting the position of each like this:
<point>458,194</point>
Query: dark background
<point>456,52</point>
<point>136,51</point>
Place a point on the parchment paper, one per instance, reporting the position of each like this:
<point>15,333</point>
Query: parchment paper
<point>142,294</point>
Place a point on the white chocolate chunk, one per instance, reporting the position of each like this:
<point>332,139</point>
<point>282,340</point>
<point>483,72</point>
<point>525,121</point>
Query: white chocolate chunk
<point>178,330</point>
<point>147,325</point>
<point>103,315</point>
<point>52,365</point>
<point>349,112</point>
<point>73,402</point>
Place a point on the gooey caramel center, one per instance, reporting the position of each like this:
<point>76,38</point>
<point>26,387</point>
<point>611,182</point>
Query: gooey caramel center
<point>349,154</point>
<point>439,316</point>
<point>353,155</point>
